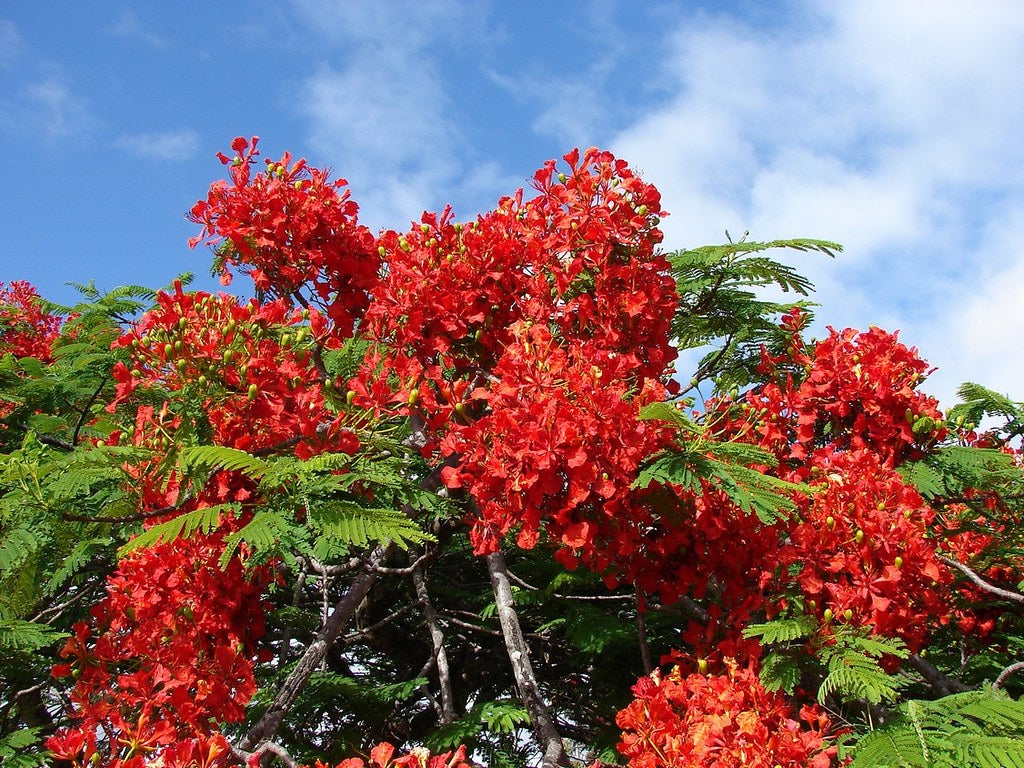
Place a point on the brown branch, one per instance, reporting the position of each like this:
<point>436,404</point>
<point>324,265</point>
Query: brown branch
<point>85,411</point>
<point>519,655</point>
<point>1006,673</point>
<point>440,656</point>
<point>267,726</point>
<point>641,632</point>
<point>472,627</point>
<point>291,442</point>
<point>525,585</point>
<point>1006,594</point>
<point>410,569</point>
<point>940,683</point>
<point>137,517</point>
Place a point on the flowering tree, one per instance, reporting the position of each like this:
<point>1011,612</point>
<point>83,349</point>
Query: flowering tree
<point>441,497</point>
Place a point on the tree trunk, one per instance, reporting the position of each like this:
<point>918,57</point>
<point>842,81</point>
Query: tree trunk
<point>519,655</point>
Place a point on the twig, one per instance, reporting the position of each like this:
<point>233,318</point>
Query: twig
<point>85,411</point>
<point>351,637</point>
<point>472,627</point>
<point>410,569</point>
<point>1016,597</point>
<point>1006,673</point>
<point>525,585</point>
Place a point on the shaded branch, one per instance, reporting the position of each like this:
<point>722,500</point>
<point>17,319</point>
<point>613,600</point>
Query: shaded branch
<point>268,725</point>
<point>419,580</point>
<point>1006,594</point>
<point>1006,673</point>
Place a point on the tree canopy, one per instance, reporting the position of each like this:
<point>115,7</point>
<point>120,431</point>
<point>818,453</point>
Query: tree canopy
<point>441,497</point>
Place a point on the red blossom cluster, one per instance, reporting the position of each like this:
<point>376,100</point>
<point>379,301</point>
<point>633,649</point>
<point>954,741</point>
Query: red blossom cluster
<point>383,756</point>
<point>252,367</point>
<point>26,328</point>
<point>527,342</point>
<point>861,550</point>
<point>725,720</point>
<point>290,227</point>
<point>858,390</point>
<point>168,655</point>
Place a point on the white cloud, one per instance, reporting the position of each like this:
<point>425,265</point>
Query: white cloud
<point>892,128</point>
<point>46,108</point>
<point>168,145</point>
<point>129,25</point>
<point>382,112</point>
<point>10,43</point>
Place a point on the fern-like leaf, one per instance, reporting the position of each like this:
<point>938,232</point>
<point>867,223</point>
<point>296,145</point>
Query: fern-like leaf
<point>203,520</point>
<point>27,635</point>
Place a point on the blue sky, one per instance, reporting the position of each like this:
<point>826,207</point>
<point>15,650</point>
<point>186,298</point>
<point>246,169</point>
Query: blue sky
<point>891,127</point>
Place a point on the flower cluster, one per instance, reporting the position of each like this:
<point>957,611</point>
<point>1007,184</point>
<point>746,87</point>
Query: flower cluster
<point>383,756</point>
<point>169,654</point>
<point>861,550</point>
<point>722,720</point>
<point>26,328</point>
<point>250,365</point>
<point>290,227</point>
<point>859,391</point>
<point>526,342</point>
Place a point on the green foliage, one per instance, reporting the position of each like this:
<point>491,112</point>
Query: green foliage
<point>22,636</point>
<point>698,464</point>
<point>983,729</point>
<point>14,749</point>
<point>980,402</point>
<point>202,520</point>
<point>719,305</point>
<point>948,471</point>
<point>493,717</point>
<point>853,671</point>
<point>782,630</point>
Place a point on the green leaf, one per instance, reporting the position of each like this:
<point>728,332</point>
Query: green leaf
<point>27,635</point>
<point>782,630</point>
<point>203,520</point>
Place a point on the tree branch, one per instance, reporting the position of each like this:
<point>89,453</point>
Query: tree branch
<point>266,729</point>
<point>641,632</point>
<point>519,655</point>
<point>1006,673</point>
<point>1006,594</point>
<point>940,683</point>
<point>444,679</point>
